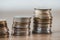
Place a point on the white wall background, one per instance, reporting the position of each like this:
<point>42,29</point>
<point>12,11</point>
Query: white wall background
<point>10,8</point>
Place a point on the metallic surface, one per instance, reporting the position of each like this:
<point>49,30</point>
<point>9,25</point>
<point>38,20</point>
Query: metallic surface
<point>21,26</point>
<point>42,21</point>
<point>4,31</point>
<point>43,13</point>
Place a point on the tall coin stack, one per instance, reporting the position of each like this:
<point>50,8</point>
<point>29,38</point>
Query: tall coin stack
<point>42,21</point>
<point>4,31</point>
<point>21,25</point>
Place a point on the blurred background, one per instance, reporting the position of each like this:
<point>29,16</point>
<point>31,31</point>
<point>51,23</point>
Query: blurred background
<point>11,8</point>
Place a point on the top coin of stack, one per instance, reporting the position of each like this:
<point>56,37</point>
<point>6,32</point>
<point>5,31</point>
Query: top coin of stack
<point>20,21</point>
<point>43,13</point>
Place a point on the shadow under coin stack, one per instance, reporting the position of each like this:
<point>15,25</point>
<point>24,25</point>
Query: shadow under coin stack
<point>21,26</point>
<point>42,21</point>
<point>4,31</point>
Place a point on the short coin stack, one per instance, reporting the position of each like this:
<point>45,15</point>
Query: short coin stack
<point>21,25</point>
<point>42,21</point>
<point>4,31</point>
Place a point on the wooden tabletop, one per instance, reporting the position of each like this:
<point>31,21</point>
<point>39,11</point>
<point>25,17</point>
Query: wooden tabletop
<point>53,36</point>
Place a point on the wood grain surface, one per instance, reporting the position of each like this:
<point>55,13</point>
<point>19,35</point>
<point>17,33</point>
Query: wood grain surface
<point>53,36</point>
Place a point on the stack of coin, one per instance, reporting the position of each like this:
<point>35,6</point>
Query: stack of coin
<point>42,21</point>
<point>4,31</point>
<point>21,25</point>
